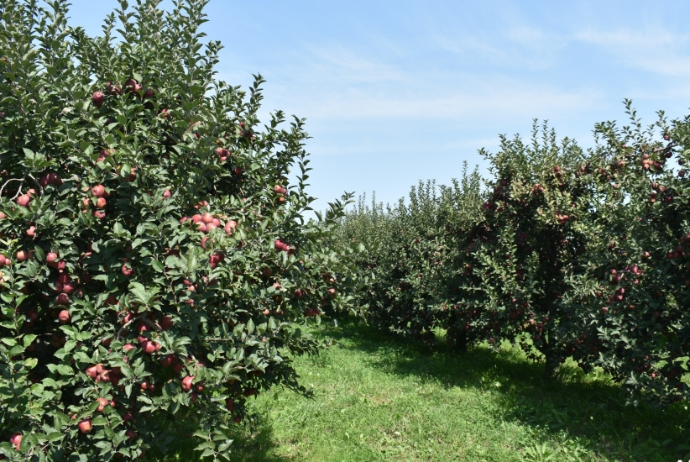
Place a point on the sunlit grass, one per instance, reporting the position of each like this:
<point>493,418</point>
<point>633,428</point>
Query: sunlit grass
<point>381,398</point>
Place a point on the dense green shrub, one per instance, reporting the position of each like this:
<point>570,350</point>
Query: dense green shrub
<point>154,257</point>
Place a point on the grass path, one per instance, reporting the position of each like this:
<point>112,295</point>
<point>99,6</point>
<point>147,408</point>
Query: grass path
<point>378,398</point>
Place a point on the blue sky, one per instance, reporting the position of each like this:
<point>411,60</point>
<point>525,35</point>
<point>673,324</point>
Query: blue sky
<point>400,91</point>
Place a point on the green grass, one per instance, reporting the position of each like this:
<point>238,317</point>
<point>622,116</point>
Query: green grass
<point>378,398</point>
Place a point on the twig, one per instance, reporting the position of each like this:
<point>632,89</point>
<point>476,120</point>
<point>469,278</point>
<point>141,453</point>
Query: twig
<point>8,181</point>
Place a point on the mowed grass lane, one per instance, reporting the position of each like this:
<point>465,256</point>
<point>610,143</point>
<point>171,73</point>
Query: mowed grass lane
<point>379,398</point>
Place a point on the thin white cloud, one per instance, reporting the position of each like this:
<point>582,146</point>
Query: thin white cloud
<point>654,50</point>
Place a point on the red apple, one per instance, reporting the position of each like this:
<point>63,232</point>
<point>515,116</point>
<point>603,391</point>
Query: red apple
<point>187,382</point>
<point>85,426</point>
<point>22,255</point>
<point>102,403</point>
<point>51,258</point>
<point>98,99</point>
<point>166,322</point>
<point>149,347</point>
<point>130,434</point>
<point>230,226</point>
<point>98,190</point>
<point>100,203</point>
<point>132,86</point>
<point>68,287</point>
<point>24,200</point>
<point>126,270</point>
<point>112,88</point>
<point>64,316</point>
<point>167,194</point>
<point>16,440</point>
<point>62,299</point>
<point>128,347</point>
<point>230,404</point>
<point>207,218</point>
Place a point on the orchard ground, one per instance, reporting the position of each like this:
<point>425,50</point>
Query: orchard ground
<point>378,398</point>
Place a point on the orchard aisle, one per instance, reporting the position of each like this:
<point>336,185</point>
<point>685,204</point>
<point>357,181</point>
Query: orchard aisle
<point>377,399</point>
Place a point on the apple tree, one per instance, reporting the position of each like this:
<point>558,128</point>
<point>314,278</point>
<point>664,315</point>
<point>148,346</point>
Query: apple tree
<point>155,255</point>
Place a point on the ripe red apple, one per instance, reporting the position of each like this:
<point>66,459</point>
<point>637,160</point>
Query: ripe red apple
<point>187,382</point>
<point>149,347</point>
<point>207,218</point>
<point>112,88</point>
<point>149,93</point>
<point>132,86</point>
<point>126,270</point>
<point>230,226</point>
<point>102,403</point>
<point>16,440</point>
<point>230,404</point>
<point>166,322</point>
<point>54,179</point>
<point>130,434</point>
<point>24,200</point>
<point>62,299</point>
<point>128,347</point>
<point>167,194</point>
<point>98,190</point>
<point>267,272</point>
<point>85,426</point>
<point>64,316</point>
<point>98,99</point>
<point>93,371</point>
<point>3,260</point>
<point>101,203</point>
<point>51,258</point>
<point>68,287</point>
